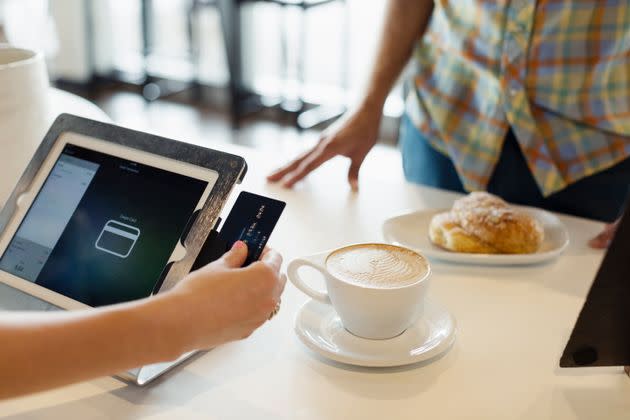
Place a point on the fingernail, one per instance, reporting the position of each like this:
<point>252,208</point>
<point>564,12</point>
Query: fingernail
<point>238,245</point>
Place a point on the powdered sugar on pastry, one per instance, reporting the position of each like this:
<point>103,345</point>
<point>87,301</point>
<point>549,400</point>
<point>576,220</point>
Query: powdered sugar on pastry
<point>486,219</point>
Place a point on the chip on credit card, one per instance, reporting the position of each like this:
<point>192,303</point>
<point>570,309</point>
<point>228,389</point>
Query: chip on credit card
<point>251,220</point>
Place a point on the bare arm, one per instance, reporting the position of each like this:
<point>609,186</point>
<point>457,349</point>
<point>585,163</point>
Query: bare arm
<point>405,22</point>
<point>354,135</point>
<point>45,350</point>
<point>216,304</point>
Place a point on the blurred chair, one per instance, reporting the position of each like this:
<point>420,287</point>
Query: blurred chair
<point>154,88</point>
<point>243,101</point>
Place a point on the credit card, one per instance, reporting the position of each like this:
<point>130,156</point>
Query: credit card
<point>251,220</point>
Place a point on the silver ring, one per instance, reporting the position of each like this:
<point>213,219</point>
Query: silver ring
<point>275,311</point>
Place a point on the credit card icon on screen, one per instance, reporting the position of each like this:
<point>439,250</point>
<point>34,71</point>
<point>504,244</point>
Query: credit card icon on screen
<point>117,238</point>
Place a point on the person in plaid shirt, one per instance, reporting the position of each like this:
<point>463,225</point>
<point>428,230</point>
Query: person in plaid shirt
<point>527,99</point>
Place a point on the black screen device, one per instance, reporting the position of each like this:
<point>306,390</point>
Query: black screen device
<point>105,208</point>
<point>601,334</point>
<point>93,233</point>
<point>251,220</point>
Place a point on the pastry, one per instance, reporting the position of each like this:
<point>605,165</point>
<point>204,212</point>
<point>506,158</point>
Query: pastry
<point>478,200</point>
<point>445,232</point>
<point>484,223</point>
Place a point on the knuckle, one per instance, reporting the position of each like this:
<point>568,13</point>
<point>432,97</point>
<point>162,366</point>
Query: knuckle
<point>266,277</point>
<point>266,306</point>
<point>265,271</point>
<point>255,267</point>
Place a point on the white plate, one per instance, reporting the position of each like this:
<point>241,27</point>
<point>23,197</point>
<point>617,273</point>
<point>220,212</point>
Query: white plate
<point>411,230</point>
<point>318,326</point>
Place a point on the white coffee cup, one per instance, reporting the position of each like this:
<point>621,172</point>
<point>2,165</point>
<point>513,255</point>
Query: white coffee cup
<point>370,303</point>
<point>24,111</point>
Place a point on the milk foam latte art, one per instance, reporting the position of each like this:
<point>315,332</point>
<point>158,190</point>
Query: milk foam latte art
<point>377,265</point>
<point>377,290</point>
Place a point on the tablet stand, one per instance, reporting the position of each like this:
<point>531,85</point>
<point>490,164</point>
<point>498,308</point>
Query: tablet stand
<point>200,238</point>
<point>212,249</point>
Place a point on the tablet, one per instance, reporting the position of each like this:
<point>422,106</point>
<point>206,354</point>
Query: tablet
<point>105,215</point>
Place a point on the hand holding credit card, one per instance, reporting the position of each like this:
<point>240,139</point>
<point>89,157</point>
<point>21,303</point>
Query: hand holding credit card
<point>251,220</point>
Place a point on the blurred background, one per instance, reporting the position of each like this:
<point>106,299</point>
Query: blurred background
<point>262,73</point>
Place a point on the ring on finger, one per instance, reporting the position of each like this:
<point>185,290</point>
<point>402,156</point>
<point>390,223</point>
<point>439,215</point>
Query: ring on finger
<point>275,311</point>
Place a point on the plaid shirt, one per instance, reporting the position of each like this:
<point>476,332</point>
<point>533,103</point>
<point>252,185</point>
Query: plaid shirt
<point>556,71</point>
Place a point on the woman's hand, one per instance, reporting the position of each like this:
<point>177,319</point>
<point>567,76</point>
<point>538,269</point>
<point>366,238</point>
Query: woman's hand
<point>352,136</point>
<point>223,302</point>
<point>218,303</point>
<point>603,240</point>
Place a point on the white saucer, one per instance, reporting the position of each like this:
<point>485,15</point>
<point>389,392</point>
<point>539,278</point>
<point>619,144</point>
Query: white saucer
<point>411,230</point>
<point>318,326</point>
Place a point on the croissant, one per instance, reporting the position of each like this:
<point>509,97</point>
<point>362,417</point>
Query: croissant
<point>484,223</point>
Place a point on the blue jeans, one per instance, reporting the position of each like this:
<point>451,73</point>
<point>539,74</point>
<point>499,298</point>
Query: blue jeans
<point>600,196</point>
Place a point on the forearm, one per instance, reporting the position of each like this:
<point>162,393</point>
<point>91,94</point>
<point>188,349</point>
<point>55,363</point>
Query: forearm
<point>405,22</point>
<point>45,350</point>
<point>211,306</point>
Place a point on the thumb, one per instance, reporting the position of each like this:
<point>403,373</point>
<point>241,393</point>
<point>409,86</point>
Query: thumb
<point>235,257</point>
<point>353,174</point>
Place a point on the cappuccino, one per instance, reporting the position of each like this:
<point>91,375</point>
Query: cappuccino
<point>378,290</point>
<point>377,265</point>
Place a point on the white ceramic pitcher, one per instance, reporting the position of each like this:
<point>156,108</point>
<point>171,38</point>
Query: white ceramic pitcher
<point>24,112</point>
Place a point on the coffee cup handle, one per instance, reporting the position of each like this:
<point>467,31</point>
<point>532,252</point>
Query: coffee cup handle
<point>294,277</point>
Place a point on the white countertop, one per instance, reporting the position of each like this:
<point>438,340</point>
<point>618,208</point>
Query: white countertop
<point>513,324</point>
<point>65,102</point>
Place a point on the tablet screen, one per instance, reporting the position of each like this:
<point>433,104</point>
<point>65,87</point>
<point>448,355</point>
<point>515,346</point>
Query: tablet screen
<point>102,228</point>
